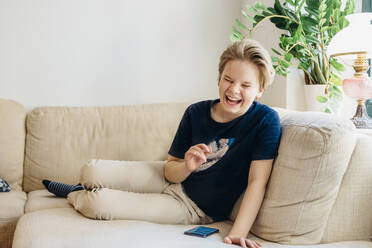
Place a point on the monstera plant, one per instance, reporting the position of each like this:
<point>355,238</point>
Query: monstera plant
<point>310,26</point>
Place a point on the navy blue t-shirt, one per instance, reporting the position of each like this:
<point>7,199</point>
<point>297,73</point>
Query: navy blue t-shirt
<point>219,182</point>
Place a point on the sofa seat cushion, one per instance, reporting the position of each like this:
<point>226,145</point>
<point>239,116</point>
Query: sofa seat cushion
<point>67,228</point>
<point>42,199</point>
<point>12,204</point>
<point>11,208</point>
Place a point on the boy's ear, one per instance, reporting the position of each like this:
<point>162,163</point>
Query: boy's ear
<point>259,94</point>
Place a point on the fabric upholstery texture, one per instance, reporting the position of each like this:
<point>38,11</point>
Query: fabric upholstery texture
<point>351,215</point>
<point>11,208</point>
<point>42,199</point>
<point>12,142</point>
<point>60,140</point>
<point>34,231</point>
<point>313,156</point>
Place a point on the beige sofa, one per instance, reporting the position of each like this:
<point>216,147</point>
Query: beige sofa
<point>320,190</point>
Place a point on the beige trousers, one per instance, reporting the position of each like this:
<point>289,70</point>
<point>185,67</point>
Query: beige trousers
<point>130,190</point>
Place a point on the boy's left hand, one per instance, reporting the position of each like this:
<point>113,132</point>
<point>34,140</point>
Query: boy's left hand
<point>243,242</point>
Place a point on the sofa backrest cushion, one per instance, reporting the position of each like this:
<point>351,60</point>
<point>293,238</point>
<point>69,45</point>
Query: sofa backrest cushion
<point>60,140</point>
<point>351,215</point>
<point>314,152</point>
<point>12,142</point>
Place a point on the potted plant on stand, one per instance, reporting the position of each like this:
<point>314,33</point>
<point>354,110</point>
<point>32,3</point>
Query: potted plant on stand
<point>310,26</point>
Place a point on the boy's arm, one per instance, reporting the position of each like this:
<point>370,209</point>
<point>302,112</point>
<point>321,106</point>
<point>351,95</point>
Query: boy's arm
<point>177,170</point>
<point>259,174</point>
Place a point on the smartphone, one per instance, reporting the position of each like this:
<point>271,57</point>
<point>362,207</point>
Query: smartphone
<point>201,231</point>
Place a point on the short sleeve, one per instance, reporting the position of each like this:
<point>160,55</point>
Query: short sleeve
<point>268,138</point>
<point>182,140</point>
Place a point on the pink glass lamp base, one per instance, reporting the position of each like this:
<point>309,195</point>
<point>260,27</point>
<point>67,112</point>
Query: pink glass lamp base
<point>359,88</point>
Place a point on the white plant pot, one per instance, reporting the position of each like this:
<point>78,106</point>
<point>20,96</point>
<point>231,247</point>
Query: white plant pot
<point>311,93</point>
<point>302,97</point>
<point>312,104</point>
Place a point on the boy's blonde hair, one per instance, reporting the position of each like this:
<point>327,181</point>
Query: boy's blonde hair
<point>251,51</point>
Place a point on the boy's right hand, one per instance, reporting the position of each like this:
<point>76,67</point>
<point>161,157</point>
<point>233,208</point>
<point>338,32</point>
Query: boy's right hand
<point>195,156</point>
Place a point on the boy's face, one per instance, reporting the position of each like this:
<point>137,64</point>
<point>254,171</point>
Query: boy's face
<point>238,88</point>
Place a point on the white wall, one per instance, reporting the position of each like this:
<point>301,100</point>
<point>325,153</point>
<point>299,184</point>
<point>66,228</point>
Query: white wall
<point>268,35</point>
<point>94,52</point>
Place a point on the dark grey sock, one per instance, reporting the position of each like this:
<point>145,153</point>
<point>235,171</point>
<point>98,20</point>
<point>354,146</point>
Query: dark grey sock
<point>61,189</point>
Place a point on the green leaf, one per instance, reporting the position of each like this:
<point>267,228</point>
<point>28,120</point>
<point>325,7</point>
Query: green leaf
<point>311,39</point>
<point>275,51</point>
<point>237,34</point>
<point>336,4</point>
<point>279,22</point>
<point>284,63</point>
<point>322,21</point>
<point>328,111</point>
<point>258,18</point>
<point>291,14</point>
<point>337,66</point>
<point>278,7</point>
<point>241,25</point>
<point>274,59</point>
<point>300,7</point>
<point>260,6</point>
<point>314,4</point>
<point>307,20</point>
<point>335,80</point>
<point>234,38</point>
<point>349,7</point>
<point>248,17</point>
<point>337,90</point>
<point>290,2</point>
<point>272,10</point>
<point>288,57</point>
<point>322,99</point>
<point>323,29</point>
<point>310,29</point>
<point>253,10</point>
<point>311,11</point>
<point>322,7</point>
<point>267,13</point>
<point>298,33</point>
<point>281,71</point>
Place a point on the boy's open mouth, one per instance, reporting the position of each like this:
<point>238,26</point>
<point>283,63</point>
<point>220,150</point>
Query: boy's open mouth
<point>232,101</point>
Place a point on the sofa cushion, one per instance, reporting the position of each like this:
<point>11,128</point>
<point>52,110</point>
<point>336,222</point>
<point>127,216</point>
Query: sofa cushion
<point>60,140</point>
<point>12,204</point>
<point>351,216</point>
<point>67,228</point>
<point>42,199</point>
<point>11,208</point>
<point>12,142</point>
<point>314,152</point>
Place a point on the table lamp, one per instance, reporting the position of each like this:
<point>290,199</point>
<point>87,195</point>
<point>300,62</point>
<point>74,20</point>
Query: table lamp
<point>355,42</point>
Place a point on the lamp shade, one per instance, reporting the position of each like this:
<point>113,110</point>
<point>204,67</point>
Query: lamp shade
<point>356,37</point>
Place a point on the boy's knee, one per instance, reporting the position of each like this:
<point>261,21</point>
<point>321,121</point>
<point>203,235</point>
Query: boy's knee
<point>92,204</point>
<point>89,176</point>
